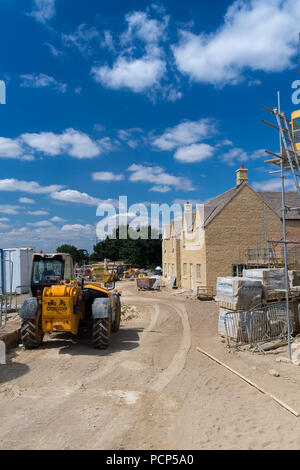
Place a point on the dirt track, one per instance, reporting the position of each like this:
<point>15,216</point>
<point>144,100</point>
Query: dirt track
<point>150,390</point>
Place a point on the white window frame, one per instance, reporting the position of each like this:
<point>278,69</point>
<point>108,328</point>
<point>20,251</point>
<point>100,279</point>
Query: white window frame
<point>185,270</point>
<point>199,271</point>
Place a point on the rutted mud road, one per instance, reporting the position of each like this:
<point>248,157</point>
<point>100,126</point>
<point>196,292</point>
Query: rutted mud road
<point>67,395</point>
<point>150,390</point>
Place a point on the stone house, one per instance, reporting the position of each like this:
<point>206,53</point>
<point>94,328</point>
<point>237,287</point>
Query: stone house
<point>219,237</point>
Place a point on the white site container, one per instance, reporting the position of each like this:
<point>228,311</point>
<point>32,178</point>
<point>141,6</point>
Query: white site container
<point>17,264</point>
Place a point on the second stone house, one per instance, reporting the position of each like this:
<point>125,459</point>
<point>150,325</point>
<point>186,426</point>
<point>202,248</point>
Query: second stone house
<point>224,235</point>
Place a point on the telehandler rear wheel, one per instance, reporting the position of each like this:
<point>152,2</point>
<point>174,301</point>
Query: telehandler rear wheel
<point>116,324</point>
<point>31,333</point>
<point>101,332</point>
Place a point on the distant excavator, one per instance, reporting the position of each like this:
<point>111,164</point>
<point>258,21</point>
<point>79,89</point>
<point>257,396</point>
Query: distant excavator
<point>59,304</point>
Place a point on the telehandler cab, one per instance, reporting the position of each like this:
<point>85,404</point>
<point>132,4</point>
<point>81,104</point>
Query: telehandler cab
<point>60,304</point>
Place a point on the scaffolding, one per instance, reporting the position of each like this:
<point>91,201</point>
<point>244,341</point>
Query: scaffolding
<point>288,161</point>
<point>263,257</point>
<point>272,256</point>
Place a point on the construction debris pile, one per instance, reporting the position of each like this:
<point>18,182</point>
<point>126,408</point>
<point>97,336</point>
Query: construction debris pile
<point>129,312</point>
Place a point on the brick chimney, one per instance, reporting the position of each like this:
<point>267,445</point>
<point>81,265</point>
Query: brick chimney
<point>241,175</point>
<point>188,214</point>
<point>188,207</point>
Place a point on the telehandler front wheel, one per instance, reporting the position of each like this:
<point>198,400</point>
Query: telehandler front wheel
<point>31,333</point>
<point>101,332</point>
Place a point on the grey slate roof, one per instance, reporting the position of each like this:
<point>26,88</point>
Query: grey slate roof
<point>214,206</point>
<point>273,198</point>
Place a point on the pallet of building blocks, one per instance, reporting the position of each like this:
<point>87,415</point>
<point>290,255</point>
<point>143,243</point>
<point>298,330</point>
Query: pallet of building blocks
<point>238,293</point>
<point>294,278</point>
<point>272,279</point>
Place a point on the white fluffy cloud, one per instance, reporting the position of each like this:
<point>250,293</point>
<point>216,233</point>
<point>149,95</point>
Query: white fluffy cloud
<point>194,153</point>
<point>236,154</point>
<point>44,10</point>
<point>77,197</point>
<point>108,41</point>
<point>273,185</point>
<point>9,209</point>
<point>73,142</point>
<point>37,213</point>
<point>136,75</point>
<point>259,35</point>
<point>42,80</point>
<point>107,176</point>
<point>46,142</point>
<point>132,137</point>
<point>141,26</point>
<point>156,174</point>
<point>141,63</point>
<point>10,148</point>
<point>41,223</point>
<point>82,38</point>
<point>71,195</point>
<point>55,52</point>
<point>26,200</point>
<point>78,228</point>
<point>11,184</point>
<point>58,220</point>
<point>161,189</point>
<point>185,133</point>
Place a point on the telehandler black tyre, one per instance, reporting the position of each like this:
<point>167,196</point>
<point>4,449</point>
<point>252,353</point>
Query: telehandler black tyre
<point>101,332</point>
<point>31,335</point>
<point>116,324</point>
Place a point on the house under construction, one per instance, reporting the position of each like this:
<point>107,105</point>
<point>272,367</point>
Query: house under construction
<point>228,233</point>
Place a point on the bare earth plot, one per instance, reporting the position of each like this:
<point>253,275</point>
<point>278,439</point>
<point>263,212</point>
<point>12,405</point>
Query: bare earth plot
<point>150,390</point>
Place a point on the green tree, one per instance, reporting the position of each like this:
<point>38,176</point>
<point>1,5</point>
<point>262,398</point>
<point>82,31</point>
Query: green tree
<point>139,253</point>
<point>79,256</point>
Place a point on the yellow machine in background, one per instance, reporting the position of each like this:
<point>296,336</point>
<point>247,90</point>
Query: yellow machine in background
<point>295,123</point>
<point>102,275</point>
<point>66,306</point>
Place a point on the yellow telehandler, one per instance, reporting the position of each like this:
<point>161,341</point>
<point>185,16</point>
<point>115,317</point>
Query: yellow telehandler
<point>60,304</point>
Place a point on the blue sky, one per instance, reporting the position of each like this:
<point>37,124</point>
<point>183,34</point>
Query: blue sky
<point>157,101</point>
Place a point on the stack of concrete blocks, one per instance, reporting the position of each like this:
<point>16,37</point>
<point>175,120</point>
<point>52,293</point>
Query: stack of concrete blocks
<point>234,294</point>
<point>294,279</point>
<point>271,279</point>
